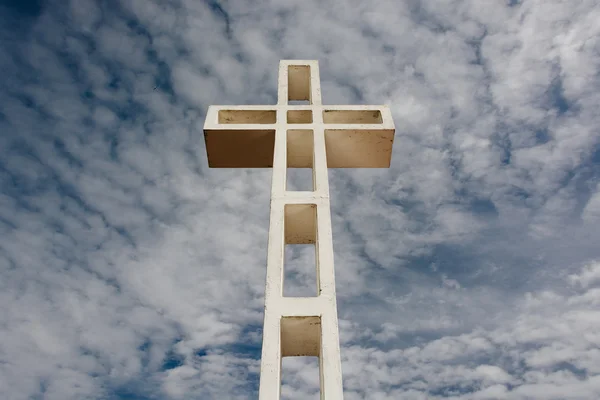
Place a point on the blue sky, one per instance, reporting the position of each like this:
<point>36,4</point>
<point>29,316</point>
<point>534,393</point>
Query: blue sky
<point>468,270</point>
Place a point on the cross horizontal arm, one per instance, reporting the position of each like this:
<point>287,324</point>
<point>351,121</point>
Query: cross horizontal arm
<point>223,117</point>
<point>356,136</point>
<point>244,136</point>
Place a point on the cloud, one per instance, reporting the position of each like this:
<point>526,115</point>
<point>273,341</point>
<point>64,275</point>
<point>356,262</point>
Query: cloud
<point>546,349</point>
<point>128,269</point>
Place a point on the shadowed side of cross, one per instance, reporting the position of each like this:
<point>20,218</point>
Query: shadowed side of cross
<point>244,136</point>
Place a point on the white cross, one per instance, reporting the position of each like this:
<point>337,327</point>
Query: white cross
<point>299,136</point>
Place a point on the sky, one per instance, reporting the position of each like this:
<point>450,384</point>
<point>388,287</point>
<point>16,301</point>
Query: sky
<point>468,270</point>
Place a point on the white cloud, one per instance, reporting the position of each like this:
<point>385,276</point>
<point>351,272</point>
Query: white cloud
<point>545,346</point>
<point>589,276</point>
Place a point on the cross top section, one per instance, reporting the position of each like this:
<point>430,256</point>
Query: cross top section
<point>244,136</point>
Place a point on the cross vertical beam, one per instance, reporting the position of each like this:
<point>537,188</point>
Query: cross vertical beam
<point>290,135</point>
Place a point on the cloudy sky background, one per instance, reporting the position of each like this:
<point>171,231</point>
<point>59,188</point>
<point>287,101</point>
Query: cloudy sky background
<point>469,270</point>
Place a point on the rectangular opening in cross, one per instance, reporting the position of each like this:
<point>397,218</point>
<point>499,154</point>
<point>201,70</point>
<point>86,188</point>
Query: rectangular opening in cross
<point>300,378</point>
<point>300,223</point>
<point>300,155</point>
<point>299,84</point>
<point>352,117</point>
<point>299,117</point>
<point>300,277</point>
<point>247,116</point>
<point>300,270</point>
<point>300,336</point>
<point>301,339</point>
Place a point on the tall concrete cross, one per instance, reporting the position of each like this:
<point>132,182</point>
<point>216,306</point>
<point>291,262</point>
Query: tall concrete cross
<point>293,135</point>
